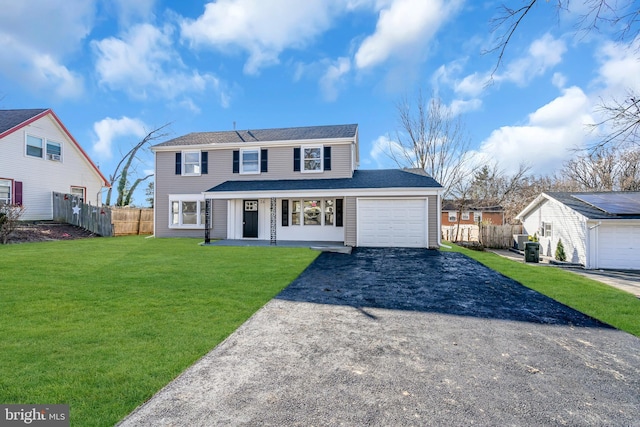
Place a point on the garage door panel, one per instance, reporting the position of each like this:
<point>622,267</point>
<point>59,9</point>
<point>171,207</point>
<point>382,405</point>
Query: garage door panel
<point>392,222</point>
<point>619,246</point>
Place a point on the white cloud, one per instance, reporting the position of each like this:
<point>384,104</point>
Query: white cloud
<point>460,106</point>
<point>547,139</point>
<point>334,77</point>
<point>620,67</point>
<point>32,50</point>
<point>543,54</point>
<point>261,28</point>
<point>129,11</point>
<point>107,130</point>
<point>380,152</point>
<point>403,27</point>
<point>144,63</point>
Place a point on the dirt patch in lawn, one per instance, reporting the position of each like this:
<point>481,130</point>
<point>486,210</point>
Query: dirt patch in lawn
<point>46,231</point>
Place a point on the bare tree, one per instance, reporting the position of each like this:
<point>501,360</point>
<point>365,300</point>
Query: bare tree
<point>621,122</point>
<point>623,15</point>
<point>431,138</point>
<point>606,169</point>
<point>125,190</point>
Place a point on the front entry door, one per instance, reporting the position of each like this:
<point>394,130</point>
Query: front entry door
<point>250,219</point>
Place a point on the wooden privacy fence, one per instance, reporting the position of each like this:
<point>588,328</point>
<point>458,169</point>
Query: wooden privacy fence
<point>102,220</point>
<point>491,236</point>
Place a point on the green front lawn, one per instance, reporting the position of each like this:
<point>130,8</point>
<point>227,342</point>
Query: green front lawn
<point>102,324</point>
<point>603,302</point>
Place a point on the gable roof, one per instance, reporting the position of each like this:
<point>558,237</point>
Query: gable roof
<point>264,135</point>
<point>572,201</point>
<point>14,120</point>
<point>372,179</point>
<point>10,119</point>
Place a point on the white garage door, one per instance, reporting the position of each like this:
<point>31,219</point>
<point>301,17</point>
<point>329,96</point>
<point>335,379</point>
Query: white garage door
<point>392,222</point>
<point>619,246</point>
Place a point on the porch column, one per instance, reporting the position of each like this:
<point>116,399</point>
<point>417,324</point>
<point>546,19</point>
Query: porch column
<point>207,221</point>
<point>274,218</point>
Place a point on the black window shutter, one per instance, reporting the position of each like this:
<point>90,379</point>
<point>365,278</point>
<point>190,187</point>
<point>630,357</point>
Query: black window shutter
<point>327,158</point>
<point>178,163</point>
<point>339,212</point>
<point>204,162</point>
<point>17,193</point>
<point>296,159</point>
<point>236,161</point>
<point>263,160</point>
<point>285,213</point>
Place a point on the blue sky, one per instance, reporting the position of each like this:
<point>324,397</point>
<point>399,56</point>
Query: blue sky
<point>113,70</point>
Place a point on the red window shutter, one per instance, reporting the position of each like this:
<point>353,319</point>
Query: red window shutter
<point>17,193</point>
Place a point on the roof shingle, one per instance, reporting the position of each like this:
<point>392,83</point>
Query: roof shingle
<point>264,135</point>
<point>12,118</point>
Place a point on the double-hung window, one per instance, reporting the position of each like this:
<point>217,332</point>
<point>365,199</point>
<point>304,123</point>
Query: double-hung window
<point>5,191</point>
<point>453,216</point>
<point>35,146</point>
<point>465,216</point>
<point>312,159</point>
<point>187,211</point>
<point>250,161</point>
<point>191,160</point>
<point>78,192</point>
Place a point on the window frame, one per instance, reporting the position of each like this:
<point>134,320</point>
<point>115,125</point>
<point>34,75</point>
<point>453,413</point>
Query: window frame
<point>453,216</point>
<point>83,196</point>
<point>546,229</point>
<point>47,154</point>
<point>9,200</point>
<point>200,211</point>
<point>185,163</point>
<point>298,218</point>
<point>465,216</point>
<point>320,159</point>
<point>258,162</point>
<point>477,216</point>
<point>27,145</point>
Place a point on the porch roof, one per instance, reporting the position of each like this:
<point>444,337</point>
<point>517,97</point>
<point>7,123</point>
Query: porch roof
<point>362,179</point>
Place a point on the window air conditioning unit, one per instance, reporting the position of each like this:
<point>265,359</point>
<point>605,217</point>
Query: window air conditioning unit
<point>55,157</point>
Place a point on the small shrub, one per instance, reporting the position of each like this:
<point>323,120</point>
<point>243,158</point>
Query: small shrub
<point>560,255</point>
<point>9,221</point>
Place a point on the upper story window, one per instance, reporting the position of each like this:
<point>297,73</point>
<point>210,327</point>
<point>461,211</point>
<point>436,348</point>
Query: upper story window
<point>312,159</point>
<point>5,191</point>
<point>192,163</point>
<point>250,161</point>
<point>453,216</point>
<point>465,216</point>
<point>477,216</point>
<point>39,147</point>
<point>54,151</point>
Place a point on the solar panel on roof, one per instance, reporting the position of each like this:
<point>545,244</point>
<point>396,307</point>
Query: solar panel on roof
<point>613,203</point>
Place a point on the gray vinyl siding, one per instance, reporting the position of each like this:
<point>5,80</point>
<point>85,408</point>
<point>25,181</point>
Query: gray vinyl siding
<point>350,222</point>
<point>280,166</point>
<point>432,221</point>
<point>219,219</point>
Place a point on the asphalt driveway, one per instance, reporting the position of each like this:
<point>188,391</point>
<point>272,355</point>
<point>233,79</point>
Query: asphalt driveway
<point>408,337</point>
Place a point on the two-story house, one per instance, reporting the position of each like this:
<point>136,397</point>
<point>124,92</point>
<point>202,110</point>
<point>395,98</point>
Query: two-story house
<point>38,156</point>
<point>290,184</point>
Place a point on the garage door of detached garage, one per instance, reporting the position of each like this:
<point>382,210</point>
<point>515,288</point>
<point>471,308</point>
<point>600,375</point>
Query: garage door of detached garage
<point>619,246</point>
<point>392,223</point>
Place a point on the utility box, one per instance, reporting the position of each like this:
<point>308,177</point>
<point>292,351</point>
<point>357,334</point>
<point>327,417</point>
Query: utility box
<point>532,252</point>
<point>519,241</point>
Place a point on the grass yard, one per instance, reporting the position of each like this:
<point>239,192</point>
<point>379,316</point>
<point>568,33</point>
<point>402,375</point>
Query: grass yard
<point>605,303</point>
<point>102,324</point>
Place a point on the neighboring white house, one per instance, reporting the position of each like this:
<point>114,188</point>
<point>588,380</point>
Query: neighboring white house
<point>290,184</point>
<point>598,229</point>
<point>38,156</point>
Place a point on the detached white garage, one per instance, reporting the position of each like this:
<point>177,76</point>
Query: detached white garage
<point>392,222</point>
<point>617,246</point>
<point>600,230</point>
